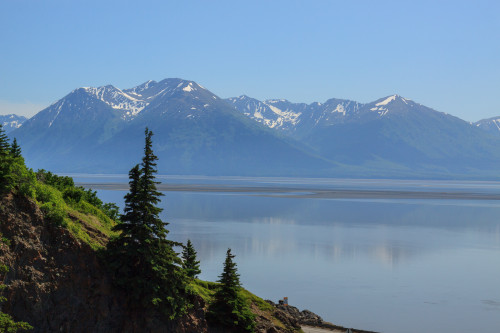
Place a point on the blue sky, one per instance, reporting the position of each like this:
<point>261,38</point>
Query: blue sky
<point>443,54</point>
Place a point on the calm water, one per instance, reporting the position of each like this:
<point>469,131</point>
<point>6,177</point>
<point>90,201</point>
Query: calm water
<point>386,265</point>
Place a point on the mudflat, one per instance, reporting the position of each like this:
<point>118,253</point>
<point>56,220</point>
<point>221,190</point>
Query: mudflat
<point>307,192</point>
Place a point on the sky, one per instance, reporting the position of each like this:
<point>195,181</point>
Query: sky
<point>442,54</point>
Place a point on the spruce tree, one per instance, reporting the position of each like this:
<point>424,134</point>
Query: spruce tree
<point>142,258</point>
<point>15,150</point>
<point>189,263</point>
<point>5,162</point>
<point>4,142</point>
<point>229,308</point>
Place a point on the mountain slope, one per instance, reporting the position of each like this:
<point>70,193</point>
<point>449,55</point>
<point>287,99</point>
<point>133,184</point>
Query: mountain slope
<point>398,133</point>
<point>68,131</point>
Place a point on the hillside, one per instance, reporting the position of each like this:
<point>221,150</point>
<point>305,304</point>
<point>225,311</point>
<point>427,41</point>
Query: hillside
<point>57,281</point>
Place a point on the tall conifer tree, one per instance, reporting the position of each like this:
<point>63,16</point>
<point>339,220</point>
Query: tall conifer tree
<point>143,259</point>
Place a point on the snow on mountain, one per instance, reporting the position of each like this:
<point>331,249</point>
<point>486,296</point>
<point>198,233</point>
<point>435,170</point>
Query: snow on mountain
<point>11,121</point>
<point>294,117</point>
<point>133,100</point>
<point>491,125</point>
<point>382,105</point>
<point>117,99</point>
<point>269,113</point>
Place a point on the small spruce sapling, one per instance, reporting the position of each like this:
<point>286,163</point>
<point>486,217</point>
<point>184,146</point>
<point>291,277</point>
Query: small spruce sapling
<point>189,263</point>
<point>229,308</point>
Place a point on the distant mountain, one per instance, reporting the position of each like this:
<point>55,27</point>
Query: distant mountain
<point>68,131</point>
<point>491,125</point>
<point>11,121</point>
<point>196,132</point>
<point>393,137</point>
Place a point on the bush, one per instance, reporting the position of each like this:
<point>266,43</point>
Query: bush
<point>54,213</point>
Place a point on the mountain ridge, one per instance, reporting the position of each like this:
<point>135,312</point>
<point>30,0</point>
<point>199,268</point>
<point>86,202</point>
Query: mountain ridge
<point>97,130</point>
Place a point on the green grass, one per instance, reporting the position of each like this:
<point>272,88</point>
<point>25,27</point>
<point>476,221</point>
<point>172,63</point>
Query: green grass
<point>84,221</point>
<point>254,299</point>
<point>207,289</point>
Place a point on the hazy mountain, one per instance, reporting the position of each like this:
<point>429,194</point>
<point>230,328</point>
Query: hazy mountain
<point>196,132</point>
<point>68,131</point>
<point>491,125</point>
<point>393,137</point>
<point>11,121</point>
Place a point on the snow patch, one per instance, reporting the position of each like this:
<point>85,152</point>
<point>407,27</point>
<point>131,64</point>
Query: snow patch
<point>189,87</point>
<point>118,99</point>
<point>387,100</point>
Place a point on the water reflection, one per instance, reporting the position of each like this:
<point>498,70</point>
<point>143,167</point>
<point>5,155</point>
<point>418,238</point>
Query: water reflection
<point>389,265</point>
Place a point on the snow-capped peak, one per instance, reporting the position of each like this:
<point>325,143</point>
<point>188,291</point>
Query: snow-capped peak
<point>118,99</point>
<point>387,100</point>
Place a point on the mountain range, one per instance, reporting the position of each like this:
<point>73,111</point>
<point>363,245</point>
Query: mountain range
<point>11,121</point>
<point>196,132</point>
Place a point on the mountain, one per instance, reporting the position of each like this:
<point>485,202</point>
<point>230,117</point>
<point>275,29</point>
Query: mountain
<point>196,132</point>
<point>11,121</point>
<point>390,137</point>
<point>67,131</point>
<point>101,130</point>
<point>491,125</point>
<point>295,119</point>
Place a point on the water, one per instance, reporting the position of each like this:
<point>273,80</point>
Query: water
<point>380,264</point>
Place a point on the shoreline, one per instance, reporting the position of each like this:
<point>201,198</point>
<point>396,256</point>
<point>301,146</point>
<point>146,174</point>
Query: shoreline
<point>305,192</point>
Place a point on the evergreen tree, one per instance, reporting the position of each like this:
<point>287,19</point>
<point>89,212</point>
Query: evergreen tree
<point>143,260</point>
<point>189,263</point>
<point>15,150</point>
<point>229,309</point>
<point>5,162</point>
<point>4,142</point>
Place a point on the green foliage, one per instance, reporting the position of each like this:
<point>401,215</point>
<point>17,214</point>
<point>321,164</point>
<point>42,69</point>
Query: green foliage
<point>75,195</point>
<point>205,289</point>
<point>229,308</point>
<point>189,263</point>
<point>142,259</point>
<point>58,182</point>
<point>6,161</point>
<point>70,209</point>
<point>111,210</point>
